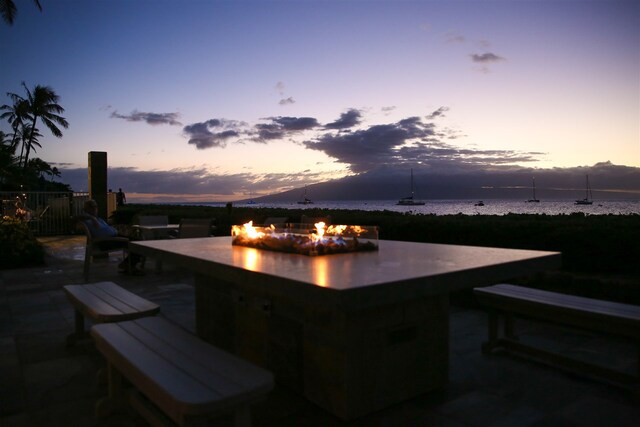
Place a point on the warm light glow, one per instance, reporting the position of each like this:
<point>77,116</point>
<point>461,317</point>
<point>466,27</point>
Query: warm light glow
<point>247,229</point>
<point>251,259</point>
<point>299,239</point>
<point>321,271</point>
<point>319,231</point>
<point>337,229</point>
<point>248,258</point>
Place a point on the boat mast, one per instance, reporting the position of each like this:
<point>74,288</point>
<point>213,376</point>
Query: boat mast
<point>534,188</point>
<point>412,183</point>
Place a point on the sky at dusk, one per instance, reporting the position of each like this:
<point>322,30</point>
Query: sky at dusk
<point>225,99</point>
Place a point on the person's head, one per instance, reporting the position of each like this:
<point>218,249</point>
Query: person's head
<point>91,207</point>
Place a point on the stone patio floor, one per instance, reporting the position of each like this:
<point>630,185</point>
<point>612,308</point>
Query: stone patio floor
<point>44,383</point>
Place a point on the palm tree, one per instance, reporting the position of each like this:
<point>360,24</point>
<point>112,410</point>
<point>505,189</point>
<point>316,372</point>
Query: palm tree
<point>8,166</point>
<point>40,167</point>
<point>8,10</point>
<point>43,105</point>
<point>4,142</point>
<point>17,115</point>
<point>26,133</point>
<point>55,172</point>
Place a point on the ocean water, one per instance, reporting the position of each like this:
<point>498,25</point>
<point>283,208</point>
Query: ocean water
<point>464,207</point>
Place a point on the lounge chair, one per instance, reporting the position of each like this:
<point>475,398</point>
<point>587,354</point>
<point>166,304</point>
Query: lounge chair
<point>195,227</point>
<point>92,248</point>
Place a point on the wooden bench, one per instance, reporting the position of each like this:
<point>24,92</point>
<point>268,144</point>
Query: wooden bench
<point>175,374</point>
<point>105,302</point>
<point>585,313</point>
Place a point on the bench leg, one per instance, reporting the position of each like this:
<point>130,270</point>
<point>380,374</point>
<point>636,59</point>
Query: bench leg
<point>87,264</point>
<point>493,333</point>
<point>509,328</point>
<point>78,333</point>
<point>115,400</point>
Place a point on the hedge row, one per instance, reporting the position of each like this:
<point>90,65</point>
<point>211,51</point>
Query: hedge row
<point>601,244</point>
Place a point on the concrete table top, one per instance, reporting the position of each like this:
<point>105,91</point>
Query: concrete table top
<point>403,269</point>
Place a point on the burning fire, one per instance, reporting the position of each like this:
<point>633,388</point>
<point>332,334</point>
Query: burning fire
<point>251,231</point>
<point>298,238</point>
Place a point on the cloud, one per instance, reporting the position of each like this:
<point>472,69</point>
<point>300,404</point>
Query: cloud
<point>268,132</point>
<point>438,113</point>
<point>441,179</point>
<point>287,101</point>
<point>347,120</point>
<point>387,110</point>
<point>453,37</point>
<point>367,148</point>
<point>296,123</point>
<point>202,136</point>
<point>279,87</point>
<point>153,119</point>
<point>280,127</point>
<point>486,58</point>
<point>385,151</point>
<point>192,183</point>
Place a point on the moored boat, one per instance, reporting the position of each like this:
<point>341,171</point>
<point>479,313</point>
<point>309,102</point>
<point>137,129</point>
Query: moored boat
<point>588,200</point>
<point>410,200</point>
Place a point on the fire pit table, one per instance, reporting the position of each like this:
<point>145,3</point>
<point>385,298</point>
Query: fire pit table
<point>353,332</point>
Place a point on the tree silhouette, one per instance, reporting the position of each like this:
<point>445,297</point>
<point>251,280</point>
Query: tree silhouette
<point>43,105</point>
<point>18,171</point>
<point>25,134</point>
<point>16,114</point>
<point>8,10</point>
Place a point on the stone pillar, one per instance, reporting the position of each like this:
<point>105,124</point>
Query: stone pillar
<point>98,180</point>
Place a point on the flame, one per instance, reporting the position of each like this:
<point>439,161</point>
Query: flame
<point>248,230</point>
<point>319,230</point>
<point>319,240</point>
<point>336,229</point>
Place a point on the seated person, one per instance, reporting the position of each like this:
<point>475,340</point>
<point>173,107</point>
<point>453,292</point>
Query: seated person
<point>100,229</point>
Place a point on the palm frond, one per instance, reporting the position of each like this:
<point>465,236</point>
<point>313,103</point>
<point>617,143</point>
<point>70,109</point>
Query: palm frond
<point>8,11</point>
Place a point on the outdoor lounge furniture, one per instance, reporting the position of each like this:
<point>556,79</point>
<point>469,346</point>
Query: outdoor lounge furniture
<point>586,313</point>
<point>353,333</point>
<point>154,227</point>
<point>175,374</point>
<point>105,302</point>
<point>195,227</point>
<point>151,227</point>
<point>92,248</point>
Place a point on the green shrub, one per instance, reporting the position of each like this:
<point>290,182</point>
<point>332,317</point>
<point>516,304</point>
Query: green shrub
<point>18,245</point>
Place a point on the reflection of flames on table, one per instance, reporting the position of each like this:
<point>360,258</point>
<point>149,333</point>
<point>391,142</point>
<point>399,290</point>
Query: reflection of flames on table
<point>307,239</point>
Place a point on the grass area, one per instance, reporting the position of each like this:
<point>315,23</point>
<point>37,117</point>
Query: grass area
<point>600,252</point>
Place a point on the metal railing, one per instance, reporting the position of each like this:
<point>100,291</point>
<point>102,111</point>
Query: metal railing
<point>48,213</point>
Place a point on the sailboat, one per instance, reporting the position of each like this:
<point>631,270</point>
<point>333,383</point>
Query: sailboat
<point>410,201</point>
<point>305,200</point>
<point>534,200</point>
<point>588,200</point>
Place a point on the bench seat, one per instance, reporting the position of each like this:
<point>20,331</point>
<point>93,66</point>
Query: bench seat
<point>595,315</point>
<point>105,302</point>
<point>182,376</point>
